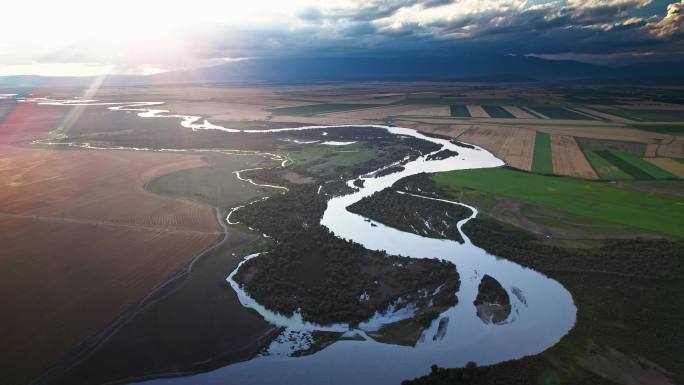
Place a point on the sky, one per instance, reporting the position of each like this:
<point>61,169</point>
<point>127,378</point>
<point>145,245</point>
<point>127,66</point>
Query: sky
<point>86,37</point>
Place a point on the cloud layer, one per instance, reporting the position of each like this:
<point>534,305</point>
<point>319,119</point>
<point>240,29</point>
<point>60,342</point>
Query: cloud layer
<point>170,35</point>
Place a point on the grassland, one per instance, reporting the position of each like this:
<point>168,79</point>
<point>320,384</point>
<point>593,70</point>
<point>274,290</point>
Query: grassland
<point>324,160</point>
<point>459,111</point>
<point>315,109</point>
<point>542,162</point>
<point>650,211</point>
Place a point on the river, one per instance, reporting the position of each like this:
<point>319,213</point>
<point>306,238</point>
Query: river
<point>542,310</point>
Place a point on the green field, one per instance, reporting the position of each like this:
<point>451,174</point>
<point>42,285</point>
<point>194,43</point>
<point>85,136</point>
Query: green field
<point>542,162</point>
<point>635,166</point>
<point>650,211</point>
<point>324,108</point>
<point>497,112</point>
<point>677,129</point>
<point>604,168</point>
<point>657,115</point>
<point>459,111</point>
<point>555,112</point>
<point>646,115</point>
<point>633,171</point>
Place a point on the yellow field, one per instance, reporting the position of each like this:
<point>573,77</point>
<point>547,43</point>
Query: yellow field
<point>518,149</point>
<point>668,164</point>
<point>568,159</point>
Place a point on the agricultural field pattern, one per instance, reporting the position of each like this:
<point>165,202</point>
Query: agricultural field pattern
<point>342,233</point>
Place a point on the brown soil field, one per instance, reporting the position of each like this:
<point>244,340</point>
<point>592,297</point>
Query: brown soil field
<point>438,129</point>
<point>82,240</point>
<point>568,159</point>
<point>26,121</point>
<point>518,149</point>
<point>581,112</point>
<point>220,111</point>
<point>604,115</point>
<point>559,123</point>
<point>490,137</point>
<point>606,133</point>
<point>651,150</point>
<point>236,94</point>
<point>476,111</point>
<point>518,112</point>
<point>452,130</point>
<point>121,243</point>
<point>456,130</point>
<point>513,145</point>
<point>535,112</point>
<point>430,111</point>
<point>321,120</point>
<point>672,147</point>
<point>668,164</point>
<point>383,112</point>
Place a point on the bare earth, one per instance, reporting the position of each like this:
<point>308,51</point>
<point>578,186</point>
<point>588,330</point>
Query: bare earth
<point>82,240</point>
<point>477,111</point>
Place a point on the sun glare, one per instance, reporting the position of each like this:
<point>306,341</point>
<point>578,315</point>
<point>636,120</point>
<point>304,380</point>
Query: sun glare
<point>135,32</point>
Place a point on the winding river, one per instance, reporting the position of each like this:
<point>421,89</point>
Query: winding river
<point>542,310</point>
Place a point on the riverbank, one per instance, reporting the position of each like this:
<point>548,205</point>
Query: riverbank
<point>626,330</point>
<point>311,271</point>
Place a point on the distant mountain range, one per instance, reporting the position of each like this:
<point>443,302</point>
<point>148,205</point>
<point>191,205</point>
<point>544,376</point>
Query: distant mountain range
<point>507,68</point>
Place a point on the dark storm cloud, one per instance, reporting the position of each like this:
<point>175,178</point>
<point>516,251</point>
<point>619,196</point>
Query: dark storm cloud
<point>494,27</point>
